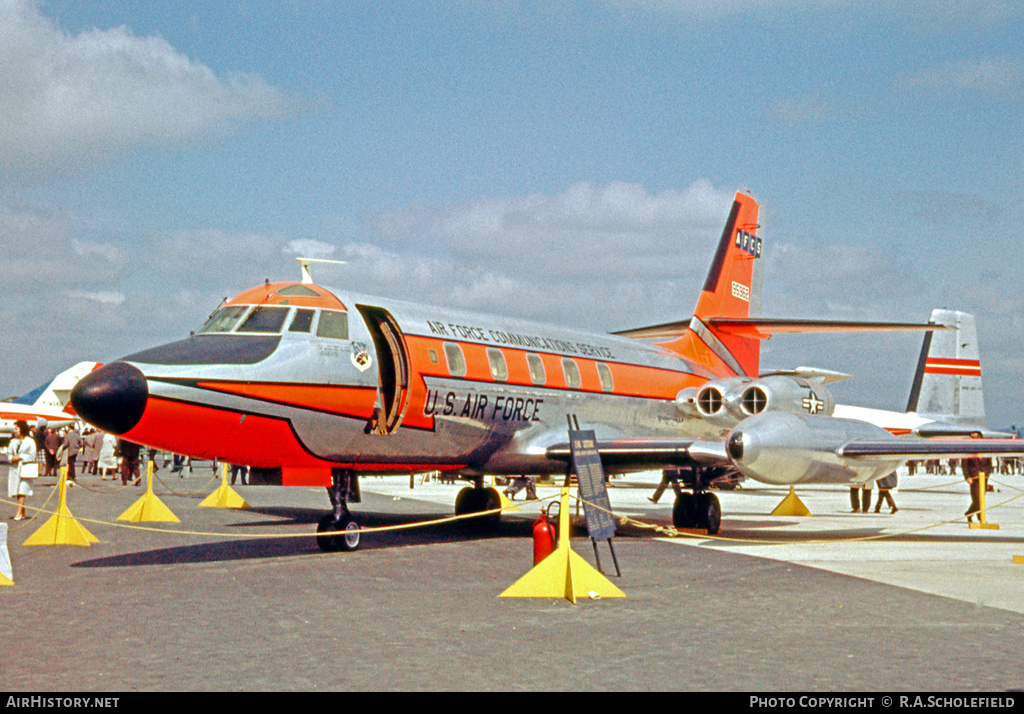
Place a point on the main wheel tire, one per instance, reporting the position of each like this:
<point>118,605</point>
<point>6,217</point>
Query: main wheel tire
<point>683,512</point>
<point>347,541</point>
<point>708,512</point>
<point>476,500</point>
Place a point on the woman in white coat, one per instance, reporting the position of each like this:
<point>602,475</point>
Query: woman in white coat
<point>108,459</point>
<point>23,456</point>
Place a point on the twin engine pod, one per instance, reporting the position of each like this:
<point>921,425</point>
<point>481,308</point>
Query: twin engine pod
<point>726,402</point>
<point>782,448</point>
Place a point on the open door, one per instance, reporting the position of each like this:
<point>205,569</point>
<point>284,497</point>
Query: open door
<point>392,365</point>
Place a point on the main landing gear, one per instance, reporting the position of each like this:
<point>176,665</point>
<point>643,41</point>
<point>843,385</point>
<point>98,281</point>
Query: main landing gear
<point>697,510</point>
<point>341,529</point>
<point>477,499</point>
<point>696,507</point>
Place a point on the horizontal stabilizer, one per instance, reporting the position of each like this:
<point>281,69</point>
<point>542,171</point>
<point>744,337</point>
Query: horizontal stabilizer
<point>811,374</point>
<point>764,327</point>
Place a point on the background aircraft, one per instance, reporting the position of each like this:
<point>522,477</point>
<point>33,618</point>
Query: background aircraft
<point>313,386</point>
<point>46,402</point>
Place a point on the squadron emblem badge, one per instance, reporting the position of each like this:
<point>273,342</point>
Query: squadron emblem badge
<point>361,356</point>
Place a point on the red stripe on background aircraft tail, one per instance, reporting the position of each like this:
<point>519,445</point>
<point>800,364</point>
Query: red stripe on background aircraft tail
<point>732,290</point>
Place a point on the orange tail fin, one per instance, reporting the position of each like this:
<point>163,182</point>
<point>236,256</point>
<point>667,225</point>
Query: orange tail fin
<point>732,289</point>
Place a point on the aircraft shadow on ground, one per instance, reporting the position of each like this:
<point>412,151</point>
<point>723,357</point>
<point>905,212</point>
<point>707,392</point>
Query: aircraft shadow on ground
<point>271,547</point>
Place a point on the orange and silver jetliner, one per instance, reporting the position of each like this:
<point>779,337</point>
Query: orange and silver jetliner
<point>313,386</point>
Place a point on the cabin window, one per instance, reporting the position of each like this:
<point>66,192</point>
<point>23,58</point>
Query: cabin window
<point>572,373</point>
<point>265,320</point>
<point>499,369</point>
<point>605,375</point>
<point>302,322</point>
<point>333,324</point>
<point>224,320</point>
<point>536,365</point>
<point>456,360</point>
<point>433,356</point>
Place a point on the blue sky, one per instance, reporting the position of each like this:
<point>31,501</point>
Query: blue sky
<point>564,161</point>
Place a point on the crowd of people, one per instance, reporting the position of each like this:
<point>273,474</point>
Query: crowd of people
<point>45,451</point>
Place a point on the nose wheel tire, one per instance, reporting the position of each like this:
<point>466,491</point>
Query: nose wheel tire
<point>341,535</point>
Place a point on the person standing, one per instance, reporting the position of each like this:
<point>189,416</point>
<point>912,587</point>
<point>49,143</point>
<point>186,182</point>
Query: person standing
<point>51,442</point>
<point>107,462</point>
<point>73,443</point>
<point>93,441</point>
<point>129,462</point>
<point>23,459</point>
<point>884,486</point>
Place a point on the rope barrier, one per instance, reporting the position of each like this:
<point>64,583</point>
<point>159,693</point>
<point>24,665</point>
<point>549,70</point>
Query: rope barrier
<point>256,536</point>
<point>667,531</point>
<point>673,532</point>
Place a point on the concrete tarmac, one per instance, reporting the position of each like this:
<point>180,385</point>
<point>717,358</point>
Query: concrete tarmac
<point>242,600</point>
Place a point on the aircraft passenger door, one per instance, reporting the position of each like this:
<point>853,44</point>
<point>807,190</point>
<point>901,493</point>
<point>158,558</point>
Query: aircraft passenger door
<point>392,366</point>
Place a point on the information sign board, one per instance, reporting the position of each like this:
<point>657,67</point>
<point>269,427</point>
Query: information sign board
<point>590,475</point>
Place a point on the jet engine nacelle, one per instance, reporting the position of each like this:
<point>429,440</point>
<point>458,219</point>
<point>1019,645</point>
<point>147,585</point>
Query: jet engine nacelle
<point>726,402</point>
<point>784,448</point>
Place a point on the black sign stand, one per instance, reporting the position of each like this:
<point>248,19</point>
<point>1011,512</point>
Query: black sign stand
<point>597,508</point>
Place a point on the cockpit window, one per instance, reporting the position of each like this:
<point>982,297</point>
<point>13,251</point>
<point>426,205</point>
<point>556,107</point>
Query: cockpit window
<point>302,322</point>
<point>333,324</point>
<point>298,291</point>
<point>223,320</point>
<point>265,320</point>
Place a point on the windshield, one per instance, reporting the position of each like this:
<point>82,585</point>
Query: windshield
<point>265,320</point>
<point>223,320</point>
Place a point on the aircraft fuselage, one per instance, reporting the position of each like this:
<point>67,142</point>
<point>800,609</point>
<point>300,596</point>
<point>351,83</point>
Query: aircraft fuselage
<point>305,379</point>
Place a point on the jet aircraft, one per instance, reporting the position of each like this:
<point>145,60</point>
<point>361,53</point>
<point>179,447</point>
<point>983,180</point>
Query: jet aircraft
<point>313,386</point>
<point>46,404</point>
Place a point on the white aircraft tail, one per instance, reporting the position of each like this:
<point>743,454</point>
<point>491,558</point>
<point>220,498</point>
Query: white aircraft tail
<point>56,393</point>
<point>947,385</point>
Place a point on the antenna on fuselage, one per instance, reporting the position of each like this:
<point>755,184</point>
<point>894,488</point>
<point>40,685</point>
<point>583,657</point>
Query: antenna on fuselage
<point>307,276</point>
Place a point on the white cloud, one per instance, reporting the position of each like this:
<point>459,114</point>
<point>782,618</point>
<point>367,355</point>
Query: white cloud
<point>107,297</point>
<point>1000,77</point>
<point>74,97</point>
<point>308,248</point>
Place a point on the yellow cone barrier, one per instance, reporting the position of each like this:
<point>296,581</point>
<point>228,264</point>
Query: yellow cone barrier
<point>791,505</point>
<point>149,508</point>
<point>224,496</point>
<point>563,573</point>
<point>62,528</point>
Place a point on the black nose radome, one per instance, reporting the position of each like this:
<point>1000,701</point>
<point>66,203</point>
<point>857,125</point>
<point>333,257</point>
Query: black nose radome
<point>112,398</point>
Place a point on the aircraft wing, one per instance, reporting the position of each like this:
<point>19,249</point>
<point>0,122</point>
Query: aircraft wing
<point>630,454</point>
<point>849,456</point>
<point>932,448</point>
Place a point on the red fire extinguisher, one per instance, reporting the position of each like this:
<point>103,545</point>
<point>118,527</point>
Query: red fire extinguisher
<point>543,537</point>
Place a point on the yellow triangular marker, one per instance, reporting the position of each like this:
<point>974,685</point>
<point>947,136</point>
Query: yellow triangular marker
<point>563,573</point>
<point>506,503</point>
<point>224,496</point>
<point>4,580</point>
<point>62,528</point>
<point>149,508</point>
<point>503,500</point>
<point>791,506</point>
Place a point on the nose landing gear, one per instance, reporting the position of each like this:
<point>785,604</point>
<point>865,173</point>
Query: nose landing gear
<point>340,529</point>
